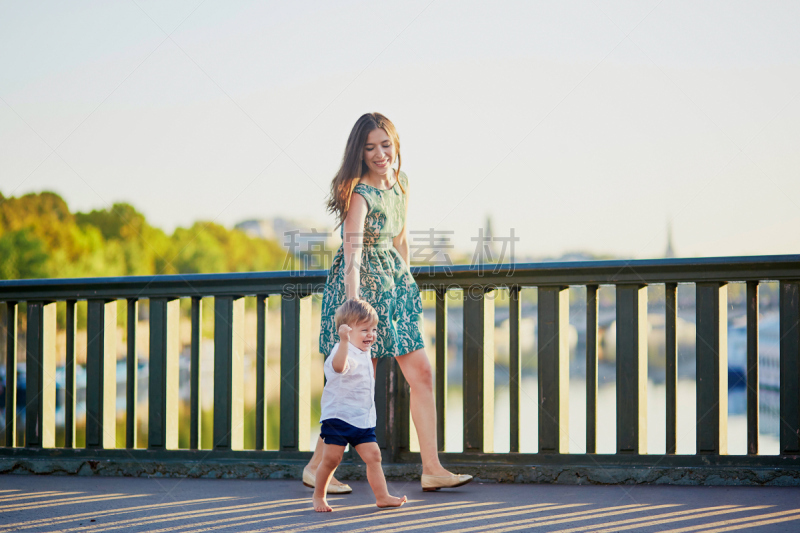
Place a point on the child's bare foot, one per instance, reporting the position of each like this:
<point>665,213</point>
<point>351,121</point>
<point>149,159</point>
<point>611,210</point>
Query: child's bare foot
<point>391,501</point>
<point>321,505</point>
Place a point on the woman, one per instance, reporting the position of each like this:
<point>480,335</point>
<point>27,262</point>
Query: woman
<point>369,198</point>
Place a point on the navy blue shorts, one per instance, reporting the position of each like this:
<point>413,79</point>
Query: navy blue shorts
<point>340,433</point>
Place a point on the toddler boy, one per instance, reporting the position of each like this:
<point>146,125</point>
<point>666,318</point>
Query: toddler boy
<point>348,404</point>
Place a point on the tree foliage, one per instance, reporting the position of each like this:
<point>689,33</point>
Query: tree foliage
<point>41,238</point>
<point>22,255</point>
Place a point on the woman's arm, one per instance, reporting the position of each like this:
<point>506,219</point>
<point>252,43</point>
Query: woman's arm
<point>400,242</point>
<point>353,245</point>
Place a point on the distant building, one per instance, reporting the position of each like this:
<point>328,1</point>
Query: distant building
<point>261,229</point>
<point>670,251</point>
<point>485,250</point>
<point>298,236</point>
<point>577,256</point>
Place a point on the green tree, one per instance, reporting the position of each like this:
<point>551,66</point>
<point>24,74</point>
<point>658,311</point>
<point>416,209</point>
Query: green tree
<point>209,247</point>
<point>45,214</point>
<point>70,250</point>
<point>196,251</point>
<point>22,255</point>
<point>143,248</point>
<point>41,238</point>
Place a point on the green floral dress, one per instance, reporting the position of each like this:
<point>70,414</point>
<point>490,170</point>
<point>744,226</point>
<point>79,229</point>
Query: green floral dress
<point>386,281</point>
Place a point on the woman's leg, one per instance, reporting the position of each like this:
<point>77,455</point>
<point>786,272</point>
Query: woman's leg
<point>316,459</point>
<point>417,370</point>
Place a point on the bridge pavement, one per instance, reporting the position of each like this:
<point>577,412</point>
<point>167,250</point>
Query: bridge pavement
<point>94,504</point>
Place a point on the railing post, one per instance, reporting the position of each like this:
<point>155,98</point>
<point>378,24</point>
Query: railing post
<point>392,394</point>
<point>163,385</point>
<point>228,372</point>
<point>402,413</point>
<point>631,369</point>
<point>40,394</point>
<point>101,382</point>
<point>790,367</point>
<point>196,374</point>
<point>261,371</point>
<point>132,381</point>
<point>295,372</point>
<point>712,368</point>
<point>11,374</point>
<point>553,310</point>
<point>384,407</point>
<point>514,367</point>
<point>441,367</point>
<point>591,368</point>
<point>752,368</point>
<point>671,365</point>
<point>69,375</point>
<point>478,371</point>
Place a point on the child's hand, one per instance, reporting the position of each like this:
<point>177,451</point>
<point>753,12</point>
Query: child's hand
<point>344,332</point>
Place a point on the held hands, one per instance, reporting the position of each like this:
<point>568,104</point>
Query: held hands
<point>344,332</point>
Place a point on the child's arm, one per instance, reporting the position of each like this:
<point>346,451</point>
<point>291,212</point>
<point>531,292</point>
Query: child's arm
<point>339,361</point>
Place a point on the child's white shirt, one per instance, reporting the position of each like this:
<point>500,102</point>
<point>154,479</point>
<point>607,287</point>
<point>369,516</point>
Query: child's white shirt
<point>350,395</point>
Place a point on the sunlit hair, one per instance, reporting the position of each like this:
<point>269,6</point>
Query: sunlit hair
<point>353,165</point>
<point>355,312</point>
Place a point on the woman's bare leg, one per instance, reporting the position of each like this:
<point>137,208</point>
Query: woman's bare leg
<point>316,459</point>
<point>417,370</point>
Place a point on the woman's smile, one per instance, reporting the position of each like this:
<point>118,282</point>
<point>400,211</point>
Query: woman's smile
<point>379,152</point>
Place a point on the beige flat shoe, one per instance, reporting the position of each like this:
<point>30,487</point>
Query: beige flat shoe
<point>431,483</point>
<point>333,488</point>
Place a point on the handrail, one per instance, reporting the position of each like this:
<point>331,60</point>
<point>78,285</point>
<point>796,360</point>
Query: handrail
<point>630,279</point>
<point>745,268</point>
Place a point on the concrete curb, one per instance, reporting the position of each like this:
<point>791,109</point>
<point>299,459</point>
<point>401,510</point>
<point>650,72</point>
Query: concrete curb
<point>566,475</point>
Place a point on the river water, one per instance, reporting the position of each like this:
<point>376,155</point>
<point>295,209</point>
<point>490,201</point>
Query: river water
<point>606,419</point>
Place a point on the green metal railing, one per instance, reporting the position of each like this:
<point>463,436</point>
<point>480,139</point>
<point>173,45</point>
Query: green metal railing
<point>630,280</point>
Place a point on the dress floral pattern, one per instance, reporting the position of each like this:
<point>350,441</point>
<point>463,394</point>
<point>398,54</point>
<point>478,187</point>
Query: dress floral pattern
<point>386,281</point>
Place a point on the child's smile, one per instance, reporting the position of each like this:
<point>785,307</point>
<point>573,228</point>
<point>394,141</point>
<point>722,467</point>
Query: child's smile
<point>363,335</point>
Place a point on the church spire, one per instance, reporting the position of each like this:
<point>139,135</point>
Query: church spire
<point>670,251</point>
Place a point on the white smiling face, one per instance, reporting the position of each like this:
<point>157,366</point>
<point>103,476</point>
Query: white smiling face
<point>363,335</point>
<point>379,152</point>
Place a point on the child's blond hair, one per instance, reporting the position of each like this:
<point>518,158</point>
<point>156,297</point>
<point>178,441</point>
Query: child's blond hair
<point>355,312</point>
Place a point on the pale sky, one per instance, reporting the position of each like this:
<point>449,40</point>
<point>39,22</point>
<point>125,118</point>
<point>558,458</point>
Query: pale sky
<point>582,125</point>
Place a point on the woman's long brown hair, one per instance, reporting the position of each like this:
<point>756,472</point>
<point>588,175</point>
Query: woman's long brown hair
<point>353,166</point>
